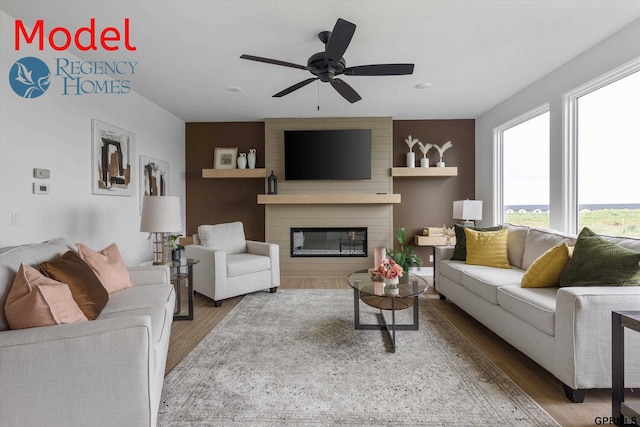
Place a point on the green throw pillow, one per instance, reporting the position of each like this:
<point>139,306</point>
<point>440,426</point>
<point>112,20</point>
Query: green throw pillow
<point>597,262</point>
<point>460,250</point>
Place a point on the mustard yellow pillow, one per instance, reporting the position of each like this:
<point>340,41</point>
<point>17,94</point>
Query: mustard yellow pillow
<point>487,248</point>
<point>545,271</point>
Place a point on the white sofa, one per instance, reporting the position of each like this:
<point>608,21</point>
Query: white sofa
<point>105,372</point>
<point>230,265</point>
<point>565,330</point>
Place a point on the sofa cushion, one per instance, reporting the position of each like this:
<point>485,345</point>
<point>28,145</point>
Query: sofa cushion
<point>453,269</point>
<point>516,240</point>
<point>487,248</point>
<point>625,242</point>
<point>85,287</point>
<point>537,307</point>
<point>485,281</point>
<point>223,237</point>
<point>540,241</point>
<point>545,271</point>
<point>597,262</point>
<point>460,249</point>
<point>35,300</point>
<point>241,264</point>
<point>108,266</point>
<point>158,316</point>
<point>152,300</point>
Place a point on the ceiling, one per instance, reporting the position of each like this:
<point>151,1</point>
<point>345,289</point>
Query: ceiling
<point>474,54</point>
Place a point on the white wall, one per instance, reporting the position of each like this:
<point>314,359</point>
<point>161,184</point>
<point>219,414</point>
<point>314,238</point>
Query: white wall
<point>54,132</point>
<point>611,53</point>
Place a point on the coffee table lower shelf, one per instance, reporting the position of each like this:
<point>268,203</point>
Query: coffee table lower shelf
<point>389,304</point>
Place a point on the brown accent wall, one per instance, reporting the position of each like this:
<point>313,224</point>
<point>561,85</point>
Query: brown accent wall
<point>425,201</point>
<point>429,201</point>
<point>213,201</point>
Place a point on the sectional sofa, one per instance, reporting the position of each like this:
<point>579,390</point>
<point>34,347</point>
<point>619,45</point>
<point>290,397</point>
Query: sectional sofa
<point>103,372</point>
<point>566,330</point>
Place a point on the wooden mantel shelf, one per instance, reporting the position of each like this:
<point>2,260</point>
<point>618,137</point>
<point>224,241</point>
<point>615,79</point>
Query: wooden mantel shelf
<point>424,172</point>
<point>327,199</point>
<point>234,173</point>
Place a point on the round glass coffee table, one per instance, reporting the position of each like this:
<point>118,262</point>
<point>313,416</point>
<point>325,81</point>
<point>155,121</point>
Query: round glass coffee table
<point>383,297</point>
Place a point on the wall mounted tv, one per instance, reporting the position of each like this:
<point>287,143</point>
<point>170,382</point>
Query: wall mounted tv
<point>327,154</point>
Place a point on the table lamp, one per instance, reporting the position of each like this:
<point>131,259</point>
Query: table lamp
<point>467,211</point>
<point>161,215</point>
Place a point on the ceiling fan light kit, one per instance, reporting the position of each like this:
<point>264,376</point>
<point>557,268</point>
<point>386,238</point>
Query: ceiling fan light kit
<point>327,65</point>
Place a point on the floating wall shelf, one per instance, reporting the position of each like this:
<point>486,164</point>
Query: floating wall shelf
<point>234,173</point>
<point>327,199</point>
<point>424,172</point>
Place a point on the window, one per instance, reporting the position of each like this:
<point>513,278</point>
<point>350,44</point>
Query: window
<point>606,146</point>
<point>523,164</point>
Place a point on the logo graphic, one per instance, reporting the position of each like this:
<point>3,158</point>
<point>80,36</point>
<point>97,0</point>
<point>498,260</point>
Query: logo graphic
<point>29,77</point>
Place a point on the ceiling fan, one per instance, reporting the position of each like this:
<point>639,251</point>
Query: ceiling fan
<point>327,65</point>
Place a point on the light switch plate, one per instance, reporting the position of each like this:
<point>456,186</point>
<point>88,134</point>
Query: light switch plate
<point>41,173</point>
<point>40,188</point>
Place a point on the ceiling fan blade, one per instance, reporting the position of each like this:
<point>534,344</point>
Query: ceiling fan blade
<point>340,39</point>
<point>273,61</point>
<point>345,90</point>
<point>294,87</point>
<point>379,70</point>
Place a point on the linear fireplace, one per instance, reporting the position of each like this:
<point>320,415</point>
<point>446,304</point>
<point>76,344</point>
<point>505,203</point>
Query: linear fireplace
<point>329,242</point>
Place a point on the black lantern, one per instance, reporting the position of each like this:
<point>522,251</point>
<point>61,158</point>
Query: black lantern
<point>272,181</point>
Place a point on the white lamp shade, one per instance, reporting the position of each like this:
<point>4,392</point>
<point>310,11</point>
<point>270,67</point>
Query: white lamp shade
<point>161,214</point>
<point>467,209</point>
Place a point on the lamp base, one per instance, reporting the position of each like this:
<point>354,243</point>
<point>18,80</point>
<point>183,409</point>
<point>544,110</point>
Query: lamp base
<point>467,223</point>
<point>161,249</point>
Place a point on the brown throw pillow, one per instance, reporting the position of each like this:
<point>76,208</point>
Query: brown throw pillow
<point>85,287</point>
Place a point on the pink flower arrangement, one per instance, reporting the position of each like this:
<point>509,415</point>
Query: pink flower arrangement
<point>388,269</point>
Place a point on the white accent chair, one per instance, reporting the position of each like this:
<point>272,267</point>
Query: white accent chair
<point>230,265</point>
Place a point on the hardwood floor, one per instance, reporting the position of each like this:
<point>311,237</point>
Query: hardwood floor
<point>534,380</point>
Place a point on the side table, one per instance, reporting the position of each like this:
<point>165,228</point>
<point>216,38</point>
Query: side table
<point>183,270</point>
<point>621,409</point>
<point>432,242</point>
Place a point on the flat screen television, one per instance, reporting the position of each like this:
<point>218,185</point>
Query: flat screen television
<point>327,154</point>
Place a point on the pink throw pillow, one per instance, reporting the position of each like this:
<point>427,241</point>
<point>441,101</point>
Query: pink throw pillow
<point>108,266</point>
<point>35,300</point>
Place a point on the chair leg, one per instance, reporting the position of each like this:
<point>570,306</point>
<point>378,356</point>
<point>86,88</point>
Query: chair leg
<point>273,290</point>
<point>217,303</point>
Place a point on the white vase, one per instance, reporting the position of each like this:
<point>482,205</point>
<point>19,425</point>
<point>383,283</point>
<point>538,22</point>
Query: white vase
<point>411,159</point>
<point>392,282</point>
<point>391,286</point>
<point>251,158</point>
<point>440,164</point>
<point>424,162</point>
<point>242,161</point>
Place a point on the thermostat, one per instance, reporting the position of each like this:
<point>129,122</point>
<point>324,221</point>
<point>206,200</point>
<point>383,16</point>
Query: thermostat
<point>41,173</point>
<point>39,188</point>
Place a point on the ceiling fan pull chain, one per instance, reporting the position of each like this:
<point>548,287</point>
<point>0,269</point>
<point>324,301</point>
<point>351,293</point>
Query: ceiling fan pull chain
<point>318,95</point>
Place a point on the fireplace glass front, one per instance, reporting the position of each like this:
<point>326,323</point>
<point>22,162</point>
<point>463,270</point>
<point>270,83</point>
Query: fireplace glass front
<point>329,242</point>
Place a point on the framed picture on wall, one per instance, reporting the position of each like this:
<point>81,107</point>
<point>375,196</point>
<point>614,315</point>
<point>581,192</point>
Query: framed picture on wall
<point>225,158</point>
<point>112,160</point>
<point>154,178</point>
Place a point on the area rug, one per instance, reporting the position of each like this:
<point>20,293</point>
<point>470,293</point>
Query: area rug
<point>294,358</point>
